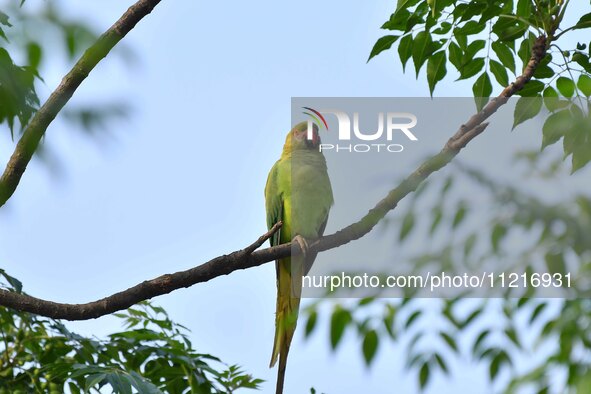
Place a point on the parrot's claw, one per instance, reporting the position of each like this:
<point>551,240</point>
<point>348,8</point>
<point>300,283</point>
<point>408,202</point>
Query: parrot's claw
<point>301,241</point>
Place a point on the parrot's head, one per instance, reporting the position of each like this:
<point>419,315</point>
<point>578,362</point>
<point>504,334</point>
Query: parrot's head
<point>297,138</point>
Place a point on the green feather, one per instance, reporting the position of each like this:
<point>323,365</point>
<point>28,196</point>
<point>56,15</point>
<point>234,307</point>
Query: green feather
<point>299,194</point>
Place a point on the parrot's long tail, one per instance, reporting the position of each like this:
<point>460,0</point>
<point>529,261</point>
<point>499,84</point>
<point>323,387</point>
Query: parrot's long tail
<point>281,372</point>
<point>288,303</point>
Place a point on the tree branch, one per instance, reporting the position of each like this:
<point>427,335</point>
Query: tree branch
<point>247,258</point>
<point>35,130</point>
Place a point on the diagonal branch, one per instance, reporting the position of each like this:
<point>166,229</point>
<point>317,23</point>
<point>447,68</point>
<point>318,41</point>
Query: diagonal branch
<point>222,265</point>
<point>247,258</point>
<point>35,130</point>
<point>466,133</point>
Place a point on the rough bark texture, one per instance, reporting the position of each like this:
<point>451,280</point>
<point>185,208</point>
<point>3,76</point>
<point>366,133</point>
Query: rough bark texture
<point>248,257</point>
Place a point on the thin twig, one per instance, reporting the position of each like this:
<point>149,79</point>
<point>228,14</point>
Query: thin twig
<point>262,239</point>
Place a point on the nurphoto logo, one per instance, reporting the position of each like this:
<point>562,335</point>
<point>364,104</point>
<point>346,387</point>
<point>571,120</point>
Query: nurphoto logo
<point>392,124</point>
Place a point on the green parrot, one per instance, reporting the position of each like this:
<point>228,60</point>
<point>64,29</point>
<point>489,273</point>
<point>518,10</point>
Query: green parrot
<point>299,194</point>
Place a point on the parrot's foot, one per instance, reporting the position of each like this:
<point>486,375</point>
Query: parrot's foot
<point>301,241</point>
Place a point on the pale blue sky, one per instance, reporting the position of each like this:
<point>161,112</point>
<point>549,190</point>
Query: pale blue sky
<point>182,180</point>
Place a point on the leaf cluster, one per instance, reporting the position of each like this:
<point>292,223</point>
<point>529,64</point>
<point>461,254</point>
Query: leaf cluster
<point>152,355</point>
<point>552,334</point>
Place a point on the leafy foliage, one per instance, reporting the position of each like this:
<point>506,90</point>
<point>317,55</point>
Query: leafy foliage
<point>490,41</point>
<point>551,334</point>
<point>42,24</point>
<point>153,355</point>
<point>480,38</point>
<point>18,99</point>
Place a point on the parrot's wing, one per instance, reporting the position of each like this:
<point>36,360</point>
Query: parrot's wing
<point>273,204</point>
<point>322,227</point>
<point>312,256</point>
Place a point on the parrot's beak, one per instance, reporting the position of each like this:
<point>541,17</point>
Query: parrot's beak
<point>314,142</point>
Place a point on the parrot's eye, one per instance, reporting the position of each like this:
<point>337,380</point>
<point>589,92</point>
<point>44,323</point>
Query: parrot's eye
<point>299,135</point>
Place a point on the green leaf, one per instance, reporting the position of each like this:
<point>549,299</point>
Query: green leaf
<point>494,367</point>
<point>465,11</point>
<point>479,340</point>
<point>34,54</point>
<point>436,69</point>
<point>397,20</point>
<point>370,346</point>
<point>524,8</point>
<point>437,215</point>
<point>462,41</point>
<point>4,19</point>
<point>513,32</point>
<point>469,28</point>
<point>555,127</point>
<point>407,225</point>
<point>472,49</point>
<point>584,85</point>
<point>441,362</point>
<point>472,316</point>
<point>543,70</point>
<point>575,133</point>
<point>74,389</point>
<point>416,18</point>
<point>581,156</point>
<point>455,55</point>
<point>338,323</point>
<point>365,301</point>
<point>405,49</point>
<point>422,48</point>
<point>449,181</point>
<point>500,72</point>
<point>424,375</point>
<point>412,318</point>
<point>551,99</point>
<point>496,236</point>
<point>565,86</point>
<point>144,386</point>
<point>92,380</point>
<point>504,54</point>
<point>311,323</point>
<point>121,383</point>
<point>388,321</point>
<point>15,283</point>
<point>469,244</point>
<point>460,214</point>
<point>531,89</point>
<point>582,60</point>
<point>472,68</point>
<point>449,340</point>
<point>537,311</point>
<point>555,263</point>
<point>525,49</point>
<point>382,44</point>
<point>444,28</point>
<point>482,90</point>
<point>512,335</point>
<point>497,361</point>
<point>584,22</point>
<point>526,108</point>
